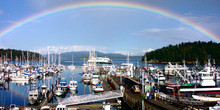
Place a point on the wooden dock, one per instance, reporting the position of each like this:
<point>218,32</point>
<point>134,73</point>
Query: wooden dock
<point>134,100</point>
<point>49,95</point>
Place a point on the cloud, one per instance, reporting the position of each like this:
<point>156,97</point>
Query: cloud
<point>62,49</point>
<point>184,33</point>
<point>147,50</point>
<point>171,35</point>
<point>135,52</point>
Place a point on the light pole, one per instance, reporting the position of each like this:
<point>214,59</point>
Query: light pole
<point>142,90</point>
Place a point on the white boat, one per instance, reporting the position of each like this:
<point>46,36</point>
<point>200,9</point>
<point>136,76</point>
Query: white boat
<point>72,67</point>
<point>203,98</point>
<point>151,68</point>
<point>160,75</point>
<point>98,88</point>
<point>20,78</point>
<point>59,91</point>
<point>86,78</point>
<point>98,60</point>
<point>106,106</point>
<point>170,69</point>
<point>61,107</point>
<point>34,96</point>
<point>73,85</point>
<point>95,79</point>
<point>45,108</point>
<point>44,89</point>
<point>20,83</point>
<point>13,107</point>
<point>207,76</point>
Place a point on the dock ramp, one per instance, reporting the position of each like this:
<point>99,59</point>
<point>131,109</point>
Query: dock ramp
<point>75,100</point>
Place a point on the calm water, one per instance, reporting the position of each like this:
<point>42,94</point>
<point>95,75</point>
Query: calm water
<point>17,93</point>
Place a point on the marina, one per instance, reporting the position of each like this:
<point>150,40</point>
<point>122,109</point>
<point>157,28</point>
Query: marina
<point>60,85</point>
<point>109,55</point>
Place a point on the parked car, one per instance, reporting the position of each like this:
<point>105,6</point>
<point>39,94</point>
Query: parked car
<point>135,88</point>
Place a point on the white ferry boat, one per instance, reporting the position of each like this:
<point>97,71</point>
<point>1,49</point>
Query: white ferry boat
<point>100,60</point>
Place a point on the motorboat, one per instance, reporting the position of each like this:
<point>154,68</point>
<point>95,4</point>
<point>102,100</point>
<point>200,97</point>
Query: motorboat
<point>86,77</point>
<point>72,67</point>
<point>98,88</point>
<point>73,85</point>
<point>61,107</point>
<point>203,98</point>
<point>20,78</point>
<point>106,106</point>
<point>95,79</point>
<point>34,96</point>
<point>20,83</point>
<point>13,107</point>
<point>44,90</point>
<point>63,84</point>
<point>45,108</point>
<point>159,75</point>
<point>59,91</point>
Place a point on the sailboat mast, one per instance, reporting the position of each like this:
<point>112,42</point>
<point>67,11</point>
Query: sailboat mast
<point>11,57</point>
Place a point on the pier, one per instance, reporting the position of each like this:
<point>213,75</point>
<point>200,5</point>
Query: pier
<point>91,97</point>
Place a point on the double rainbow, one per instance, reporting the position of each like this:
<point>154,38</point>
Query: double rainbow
<point>123,5</point>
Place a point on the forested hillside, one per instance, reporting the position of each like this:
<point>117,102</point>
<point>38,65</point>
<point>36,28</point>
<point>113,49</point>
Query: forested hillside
<point>19,54</point>
<point>190,52</point>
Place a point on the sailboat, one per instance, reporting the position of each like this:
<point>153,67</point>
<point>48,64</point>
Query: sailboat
<point>72,67</point>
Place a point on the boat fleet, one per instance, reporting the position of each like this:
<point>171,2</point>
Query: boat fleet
<point>188,82</point>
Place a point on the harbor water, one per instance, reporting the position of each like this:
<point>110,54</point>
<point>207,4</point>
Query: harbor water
<point>17,92</point>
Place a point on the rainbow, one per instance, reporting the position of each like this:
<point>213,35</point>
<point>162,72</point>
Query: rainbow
<point>116,4</point>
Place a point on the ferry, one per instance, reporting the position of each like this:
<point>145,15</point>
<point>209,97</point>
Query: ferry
<point>100,60</point>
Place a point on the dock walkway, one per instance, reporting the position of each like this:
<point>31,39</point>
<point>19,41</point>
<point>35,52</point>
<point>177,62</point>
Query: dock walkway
<point>91,97</point>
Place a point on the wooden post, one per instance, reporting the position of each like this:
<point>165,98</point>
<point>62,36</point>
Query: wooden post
<point>52,88</point>
<point>8,75</point>
<point>178,98</point>
<point>215,79</point>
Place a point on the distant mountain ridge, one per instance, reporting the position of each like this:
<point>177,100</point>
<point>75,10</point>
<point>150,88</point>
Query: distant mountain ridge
<point>85,54</point>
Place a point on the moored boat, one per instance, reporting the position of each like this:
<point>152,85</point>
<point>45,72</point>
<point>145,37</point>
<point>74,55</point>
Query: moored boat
<point>59,91</point>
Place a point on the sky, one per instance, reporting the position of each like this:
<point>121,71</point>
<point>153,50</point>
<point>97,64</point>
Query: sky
<point>105,29</point>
